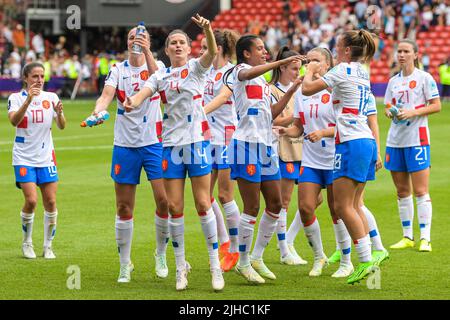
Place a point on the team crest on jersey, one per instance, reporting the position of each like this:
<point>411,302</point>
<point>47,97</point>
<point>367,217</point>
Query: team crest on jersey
<point>290,167</point>
<point>144,75</point>
<point>412,84</point>
<point>164,164</point>
<point>45,104</point>
<point>325,98</point>
<point>117,168</point>
<point>184,73</point>
<point>218,76</point>
<point>23,172</point>
<point>251,169</point>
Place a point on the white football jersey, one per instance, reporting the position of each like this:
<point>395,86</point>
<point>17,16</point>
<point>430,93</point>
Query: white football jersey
<point>141,126</point>
<point>410,92</point>
<point>351,90</point>
<point>181,90</point>
<point>316,113</point>
<point>371,106</point>
<point>33,144</point>
<point>223,120</point>
<point>253,107</point>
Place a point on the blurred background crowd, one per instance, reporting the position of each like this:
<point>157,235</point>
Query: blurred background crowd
<point>302,26</point>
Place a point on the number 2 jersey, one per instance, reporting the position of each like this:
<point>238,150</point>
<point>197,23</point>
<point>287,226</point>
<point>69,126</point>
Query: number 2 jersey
<point>223,120</point>
<point>412,92</point>
<point>351,91</point>
<point>181,90</point>
<point>142,126</point>
<point>33,144</point>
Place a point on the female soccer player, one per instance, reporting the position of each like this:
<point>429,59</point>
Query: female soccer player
<point>222,123</point>
<point>289,151</point>
<point>186,142</point>
<point>356,150</point>
<point>416,95</point>
<point>137,145</point>
<point>315,120</point>
<point>253,160</point>
<point>32,112</point>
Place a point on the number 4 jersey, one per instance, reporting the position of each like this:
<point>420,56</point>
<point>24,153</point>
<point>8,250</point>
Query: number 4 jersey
<point>411,92</point>
<point>33,144</point>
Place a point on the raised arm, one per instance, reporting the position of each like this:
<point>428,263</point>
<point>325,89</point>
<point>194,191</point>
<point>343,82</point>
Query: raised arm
<point>310,85</point>
<point>144,41</point>
<point>207,58</point>
<point>278,107</point>
<point>16,117</point>
<point>223,96</point>
<point>60,119</point>
<point>254,72</point>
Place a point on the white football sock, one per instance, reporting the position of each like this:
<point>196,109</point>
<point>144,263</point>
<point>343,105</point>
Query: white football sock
<point>425,213</point>
<point>49,227</point>
<point>312,233</point>
<point>294,228</point>
<point>281,233</point>
<point>124,236</point>
<point>27,226</point>
<point>162,232</point>
<point>406,212</point>
<point>344,241</point>
<point>374,233</point>
<point>176,228</point>
<point>267,226</point>
<point>233,216</point>
<point>221,228</point>
<point>209,227</point>
<point>245,234</point>
<point>362,247</point>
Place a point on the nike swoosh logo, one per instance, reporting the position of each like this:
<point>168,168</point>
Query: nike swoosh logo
<point>245,237</point>
<point>203,167</point>
<point>124,78</point>
<point>53,175</point>
<point>420,163</point>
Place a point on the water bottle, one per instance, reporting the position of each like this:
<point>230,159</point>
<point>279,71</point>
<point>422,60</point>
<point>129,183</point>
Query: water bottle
<point>394,110</point>
<point>93,120</point>
<point>139,30</point>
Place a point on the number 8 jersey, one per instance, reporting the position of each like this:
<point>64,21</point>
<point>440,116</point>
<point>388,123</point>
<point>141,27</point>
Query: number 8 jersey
<point>33,144</point>
<point>412,92</point>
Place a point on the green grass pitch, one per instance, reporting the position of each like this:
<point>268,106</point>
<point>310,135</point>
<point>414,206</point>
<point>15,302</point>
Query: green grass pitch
<point>86,238</point>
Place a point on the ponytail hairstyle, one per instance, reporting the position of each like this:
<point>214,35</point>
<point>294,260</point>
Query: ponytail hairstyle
<point>227,39</point>
<point>178,31</point>
<point>243,44</point>
<point>415,49</point>
<point>282,54</point>
<point>361,44</point>
<point>327,54</point>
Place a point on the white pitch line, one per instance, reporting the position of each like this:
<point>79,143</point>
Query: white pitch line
<point>2,143</point>
<point>80,148</point>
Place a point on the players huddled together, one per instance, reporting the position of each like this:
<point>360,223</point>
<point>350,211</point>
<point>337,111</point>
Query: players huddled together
<point>218,120</point>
